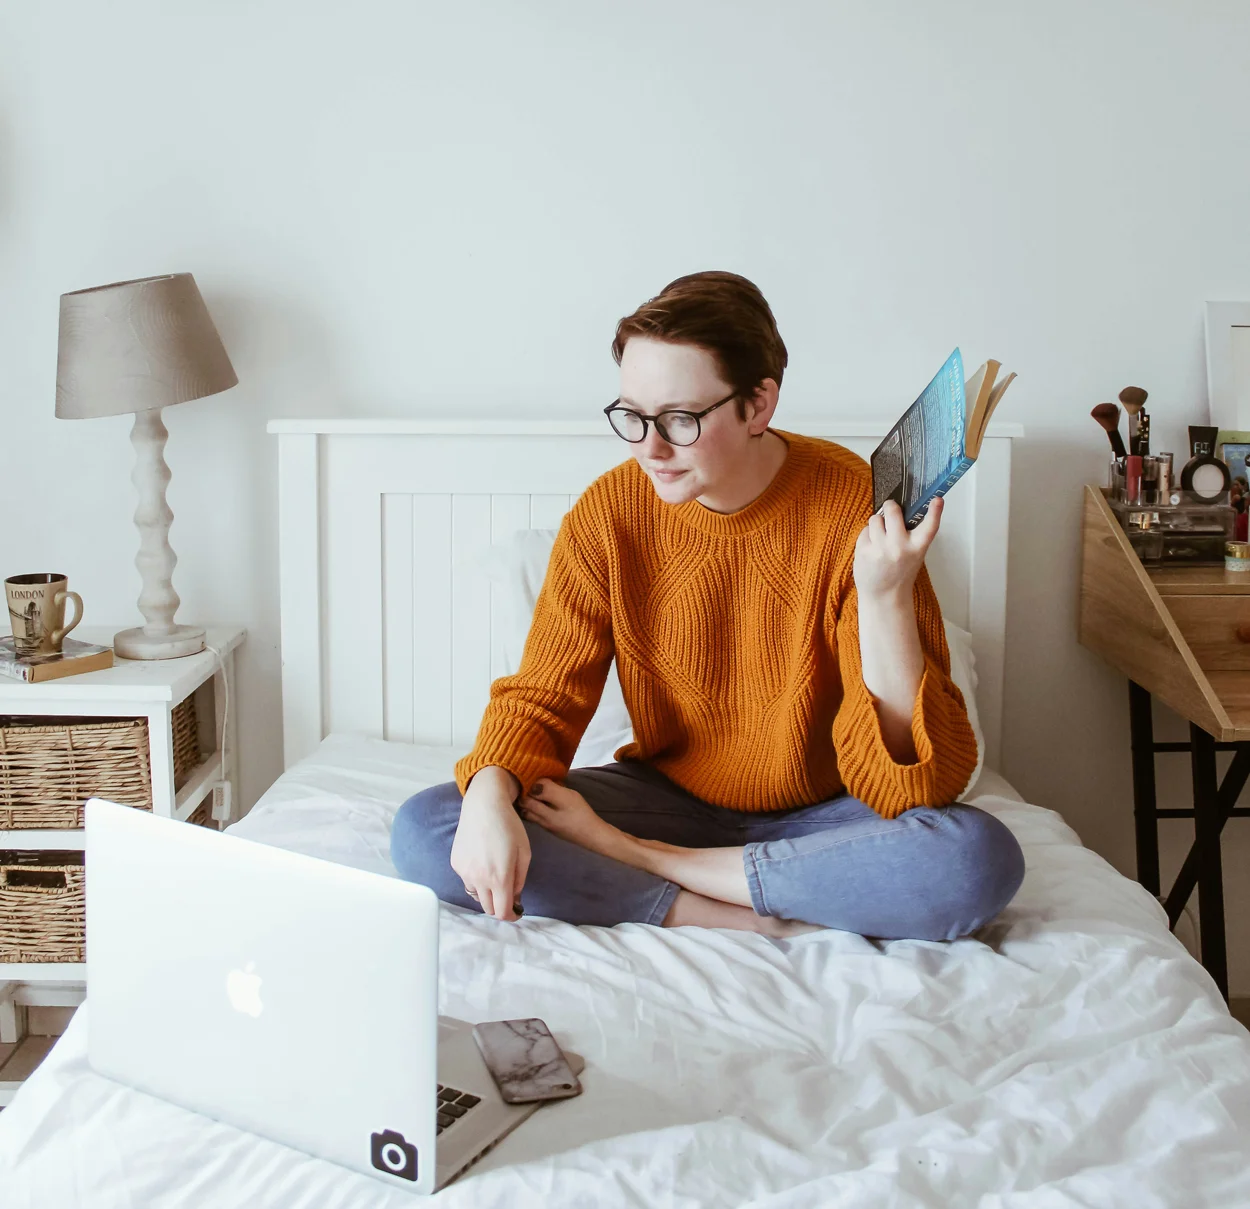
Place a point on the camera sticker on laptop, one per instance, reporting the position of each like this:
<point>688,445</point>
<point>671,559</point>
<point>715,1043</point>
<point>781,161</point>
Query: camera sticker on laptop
<point>391,1152</point>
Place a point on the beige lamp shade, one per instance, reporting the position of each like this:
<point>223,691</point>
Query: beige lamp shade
<point>135,346</point>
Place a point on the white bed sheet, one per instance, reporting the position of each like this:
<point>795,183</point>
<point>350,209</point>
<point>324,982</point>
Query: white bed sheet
<point>1069,1053</point>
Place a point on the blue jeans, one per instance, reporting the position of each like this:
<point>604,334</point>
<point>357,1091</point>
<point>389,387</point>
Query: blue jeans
<point>932,873</point>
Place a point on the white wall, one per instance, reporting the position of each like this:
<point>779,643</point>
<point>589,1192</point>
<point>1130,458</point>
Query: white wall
<point>415,209</point>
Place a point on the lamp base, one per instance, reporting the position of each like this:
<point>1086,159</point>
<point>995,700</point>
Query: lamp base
<point>138,644</point>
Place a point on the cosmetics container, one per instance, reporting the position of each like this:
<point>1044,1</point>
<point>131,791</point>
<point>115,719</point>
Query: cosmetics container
<point>1149,479</point>
<point>1204,474</point>
<point>1189,531</point>
<point>1237,557</point>
<point>1201,439</point>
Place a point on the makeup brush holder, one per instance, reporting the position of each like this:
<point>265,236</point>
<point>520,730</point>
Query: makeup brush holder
<point>1189,531</point>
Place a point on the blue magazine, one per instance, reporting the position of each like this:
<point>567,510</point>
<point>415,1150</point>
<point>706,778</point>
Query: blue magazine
<point>937,439</point>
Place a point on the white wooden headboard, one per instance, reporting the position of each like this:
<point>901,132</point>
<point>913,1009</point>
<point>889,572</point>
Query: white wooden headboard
<point>385,610</point>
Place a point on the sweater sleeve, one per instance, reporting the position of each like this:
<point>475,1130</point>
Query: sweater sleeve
<point>946,748</point>
<point>536,717</point>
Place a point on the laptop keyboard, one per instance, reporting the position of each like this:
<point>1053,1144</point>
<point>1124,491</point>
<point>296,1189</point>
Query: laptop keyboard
<point>452,1105</point>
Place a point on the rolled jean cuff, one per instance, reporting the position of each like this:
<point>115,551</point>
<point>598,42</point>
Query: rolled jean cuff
<point>668,892</point>
<point>754,887</point>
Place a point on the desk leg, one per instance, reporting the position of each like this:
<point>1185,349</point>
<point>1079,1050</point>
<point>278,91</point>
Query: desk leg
<point>1142,739</point>
<point>1207,826</point>
<point>1230,789</point>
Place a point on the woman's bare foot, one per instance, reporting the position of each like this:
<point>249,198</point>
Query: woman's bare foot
<point>564,812</point>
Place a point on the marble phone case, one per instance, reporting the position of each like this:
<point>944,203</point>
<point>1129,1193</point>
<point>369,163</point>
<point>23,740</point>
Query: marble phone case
<point>525,1061</point>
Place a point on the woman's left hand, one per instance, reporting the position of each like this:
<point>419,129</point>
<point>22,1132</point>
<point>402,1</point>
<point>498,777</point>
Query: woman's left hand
<point>888,556</point>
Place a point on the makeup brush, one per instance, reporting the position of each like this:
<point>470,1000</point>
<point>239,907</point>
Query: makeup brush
<point>1134,400</point>
<point>1108,415</point>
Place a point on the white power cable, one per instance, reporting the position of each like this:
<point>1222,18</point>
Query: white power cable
<point>1187,913</point>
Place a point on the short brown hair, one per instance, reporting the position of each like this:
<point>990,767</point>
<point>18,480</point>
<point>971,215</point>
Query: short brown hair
<point>722,313</point>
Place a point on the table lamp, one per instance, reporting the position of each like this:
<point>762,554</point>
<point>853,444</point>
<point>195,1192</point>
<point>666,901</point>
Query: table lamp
<point>138,346</point>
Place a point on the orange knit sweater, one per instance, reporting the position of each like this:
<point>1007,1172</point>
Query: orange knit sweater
<point>737,646</point>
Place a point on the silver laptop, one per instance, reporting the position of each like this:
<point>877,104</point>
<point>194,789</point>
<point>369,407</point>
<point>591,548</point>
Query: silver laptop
<point>289,996</point>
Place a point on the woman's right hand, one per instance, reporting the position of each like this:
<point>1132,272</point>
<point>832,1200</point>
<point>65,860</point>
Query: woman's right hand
<point>491,851</point>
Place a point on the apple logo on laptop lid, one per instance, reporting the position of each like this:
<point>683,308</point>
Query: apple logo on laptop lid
<point>243,990</point>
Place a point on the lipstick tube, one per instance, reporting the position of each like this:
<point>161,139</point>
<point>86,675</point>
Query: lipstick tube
<point>1132,478</point>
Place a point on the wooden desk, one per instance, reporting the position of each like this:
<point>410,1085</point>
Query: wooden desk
<point>1181,634</point>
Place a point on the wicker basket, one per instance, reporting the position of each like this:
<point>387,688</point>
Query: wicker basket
<point>203,814</point>
<point>48,771</point>
<point>186,741</point>
<point>42,906</point>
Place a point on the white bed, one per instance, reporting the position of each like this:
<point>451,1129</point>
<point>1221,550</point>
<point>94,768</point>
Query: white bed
<point>1069,1053</point>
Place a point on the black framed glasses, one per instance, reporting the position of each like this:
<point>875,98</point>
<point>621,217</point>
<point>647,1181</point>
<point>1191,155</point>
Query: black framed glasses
<point>676,427</point>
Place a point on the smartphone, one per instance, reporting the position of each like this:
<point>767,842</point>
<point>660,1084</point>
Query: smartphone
<point>525,1061</point>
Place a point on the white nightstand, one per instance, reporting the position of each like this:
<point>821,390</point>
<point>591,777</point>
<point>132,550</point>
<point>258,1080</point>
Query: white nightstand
<point>130,688</point>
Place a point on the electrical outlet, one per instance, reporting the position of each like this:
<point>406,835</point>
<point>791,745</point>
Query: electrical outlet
<point>221,801</point>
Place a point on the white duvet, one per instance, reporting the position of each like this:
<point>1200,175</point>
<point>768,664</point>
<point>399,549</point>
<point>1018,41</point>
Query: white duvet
<point>1069,1053</point>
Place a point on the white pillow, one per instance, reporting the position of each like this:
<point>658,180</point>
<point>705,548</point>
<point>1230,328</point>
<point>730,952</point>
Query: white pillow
<point>964,674</point>
<point>518,564</point>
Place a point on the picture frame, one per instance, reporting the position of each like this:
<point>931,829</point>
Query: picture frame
<point>1228,364</point>
<point>1235,455</point>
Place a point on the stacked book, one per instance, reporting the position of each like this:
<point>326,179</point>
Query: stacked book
<point>72,658</point>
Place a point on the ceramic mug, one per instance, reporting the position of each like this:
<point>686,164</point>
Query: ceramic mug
<point>37,612</point>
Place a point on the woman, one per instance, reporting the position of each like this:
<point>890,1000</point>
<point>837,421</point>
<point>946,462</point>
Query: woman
<point>798,740</point>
